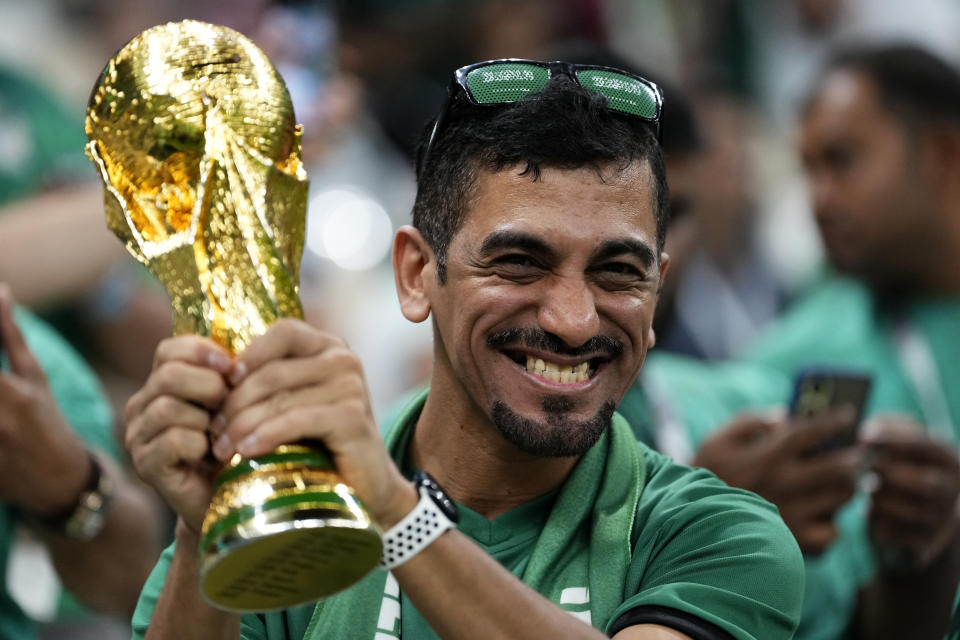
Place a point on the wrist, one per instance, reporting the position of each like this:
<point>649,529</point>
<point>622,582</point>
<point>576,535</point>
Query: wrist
<point>186,536</point>
<point>404,498</point>
<point>433,515</point>
<point>62,496</point>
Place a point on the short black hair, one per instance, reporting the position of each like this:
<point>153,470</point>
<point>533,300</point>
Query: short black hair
<point>913,83</point>
<point>563,126</point>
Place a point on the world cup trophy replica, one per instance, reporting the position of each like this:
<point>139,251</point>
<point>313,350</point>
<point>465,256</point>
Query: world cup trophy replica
<point>193,132</point>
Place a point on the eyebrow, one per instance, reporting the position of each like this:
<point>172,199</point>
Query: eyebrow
<point>636,248</point>
<point>507,239</point>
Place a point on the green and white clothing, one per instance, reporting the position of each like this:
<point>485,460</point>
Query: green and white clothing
<point>630,537</point>
<point>83,403</point>
<point>913,353</point>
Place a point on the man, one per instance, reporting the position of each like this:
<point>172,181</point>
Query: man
<point>536,252</point>
<point>880,141</point>
<point>56,476</point>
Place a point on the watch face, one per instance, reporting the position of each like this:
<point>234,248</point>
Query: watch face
<point>438,495</point>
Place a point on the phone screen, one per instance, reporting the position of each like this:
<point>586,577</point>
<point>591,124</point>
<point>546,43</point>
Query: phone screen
<point>819,390</point>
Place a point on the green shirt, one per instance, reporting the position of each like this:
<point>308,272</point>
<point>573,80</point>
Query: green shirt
<point>696,552</point>
<point>82,401</point>
<point>838,324</point>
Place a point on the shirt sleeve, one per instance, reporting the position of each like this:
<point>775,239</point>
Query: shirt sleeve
<point>718,559</point>
<point>252,627</point>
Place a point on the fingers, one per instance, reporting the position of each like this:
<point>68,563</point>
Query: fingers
<point>164,413</point>
<point>747,427</point>
<point>196,350</point>
<point>815,537</point>
<point>186,383</point>
<point>284,339</point>
<point>284,375</point>
<point>922,483</point>
<point>809,433</point>
<point>829,469</point>
<point>297,423</point>
<point>22,362</point>
<point>169,449</point>
<point>339,383</point>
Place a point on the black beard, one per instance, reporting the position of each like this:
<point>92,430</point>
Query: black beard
<point>558,436</point>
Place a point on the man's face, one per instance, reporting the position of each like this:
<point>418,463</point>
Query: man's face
<point>866,183</point>
<point>544,319</point>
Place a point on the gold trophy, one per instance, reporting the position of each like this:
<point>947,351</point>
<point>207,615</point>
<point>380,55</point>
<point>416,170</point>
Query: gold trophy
<point>193,132</point>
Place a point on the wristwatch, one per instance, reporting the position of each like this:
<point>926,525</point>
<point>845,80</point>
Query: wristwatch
<point>84,520</point>
<point>434,514</point>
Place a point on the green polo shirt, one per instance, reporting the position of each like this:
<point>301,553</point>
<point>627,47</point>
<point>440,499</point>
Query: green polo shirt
<point>699,555</point>
<point>82,401</point>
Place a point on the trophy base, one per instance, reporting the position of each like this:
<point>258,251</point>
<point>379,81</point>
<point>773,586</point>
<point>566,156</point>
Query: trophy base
<point>282,535</point>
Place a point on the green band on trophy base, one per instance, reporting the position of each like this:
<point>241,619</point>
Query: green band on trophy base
<point>288,554</point>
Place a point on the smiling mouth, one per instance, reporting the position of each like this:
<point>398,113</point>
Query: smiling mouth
<point>554,372</point>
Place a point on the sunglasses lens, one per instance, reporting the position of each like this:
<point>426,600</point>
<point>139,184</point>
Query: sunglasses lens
<point>506,81</point>
<point>624,93</point>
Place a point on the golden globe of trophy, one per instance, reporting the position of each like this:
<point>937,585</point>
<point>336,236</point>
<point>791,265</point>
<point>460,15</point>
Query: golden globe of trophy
<point>193,132</point>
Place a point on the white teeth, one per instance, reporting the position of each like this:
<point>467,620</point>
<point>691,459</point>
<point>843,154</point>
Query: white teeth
<point>564,374</point>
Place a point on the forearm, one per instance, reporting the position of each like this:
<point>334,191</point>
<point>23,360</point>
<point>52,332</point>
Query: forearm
<point>120,556</point>
<point>181,612</point>
<point>465,594</point>
<point>916,605</point>
<point>58,223</point>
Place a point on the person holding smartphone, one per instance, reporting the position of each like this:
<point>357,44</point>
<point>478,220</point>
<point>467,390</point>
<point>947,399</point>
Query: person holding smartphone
<point>880,143</point>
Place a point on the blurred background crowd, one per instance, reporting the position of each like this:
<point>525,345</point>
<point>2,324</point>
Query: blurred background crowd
<point>365,77</point>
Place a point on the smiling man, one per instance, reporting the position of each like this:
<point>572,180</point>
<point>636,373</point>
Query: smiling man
<point>536,253</point>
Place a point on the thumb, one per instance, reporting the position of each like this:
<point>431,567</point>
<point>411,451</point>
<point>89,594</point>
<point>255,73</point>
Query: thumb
<point>22,362</point>
<point>749,426</point>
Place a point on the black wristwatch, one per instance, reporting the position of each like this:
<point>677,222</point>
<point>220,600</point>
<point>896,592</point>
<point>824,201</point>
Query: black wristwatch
<point>434,514</point>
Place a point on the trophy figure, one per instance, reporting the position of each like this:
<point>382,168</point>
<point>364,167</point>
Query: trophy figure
<point>193,132</point>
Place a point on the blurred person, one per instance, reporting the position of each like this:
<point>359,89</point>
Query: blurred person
<point>537,243</point>
<point>727,291</point>
<point>880,141</point>
<point>59,476</point>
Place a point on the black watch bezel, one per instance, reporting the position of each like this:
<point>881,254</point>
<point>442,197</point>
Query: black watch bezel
<point>425,483</point>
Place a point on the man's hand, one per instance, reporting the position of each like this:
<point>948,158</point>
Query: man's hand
<point>168,420</point>
<point>43,463</point>
<point>914,508</point>
<point>780,462</point>
<point>294,383</point>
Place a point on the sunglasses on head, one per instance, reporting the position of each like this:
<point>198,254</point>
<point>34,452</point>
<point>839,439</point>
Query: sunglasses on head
<point>508,80</point>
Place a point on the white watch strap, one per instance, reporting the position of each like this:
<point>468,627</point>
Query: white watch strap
<point>414,533</point>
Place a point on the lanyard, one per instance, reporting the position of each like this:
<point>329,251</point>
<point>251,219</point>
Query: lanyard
<point>917,361</point>
<point>670,435</point>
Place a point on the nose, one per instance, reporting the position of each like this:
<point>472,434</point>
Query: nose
<point>822,195</point>
<point>568,310</point>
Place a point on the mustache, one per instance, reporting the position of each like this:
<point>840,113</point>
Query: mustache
<point>536,338</point>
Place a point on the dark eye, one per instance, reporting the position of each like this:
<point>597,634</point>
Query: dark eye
<point>619,275</point>
<point>622,268</point>
<point>517,260</point>
<point>519,267</point>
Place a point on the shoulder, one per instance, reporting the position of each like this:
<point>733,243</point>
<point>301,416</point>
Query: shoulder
<point>713,553</point>
<point>810,326</point>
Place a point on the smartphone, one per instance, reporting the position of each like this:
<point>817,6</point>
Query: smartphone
<point>817,390</point>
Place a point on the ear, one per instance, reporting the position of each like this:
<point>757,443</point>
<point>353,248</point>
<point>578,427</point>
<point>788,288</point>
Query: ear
<point>945,146</point>
<point>414,271</point>
<point>664,267</point>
